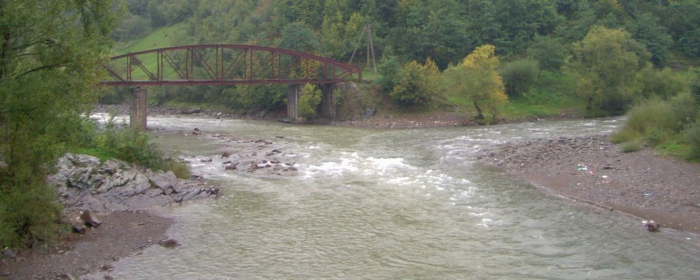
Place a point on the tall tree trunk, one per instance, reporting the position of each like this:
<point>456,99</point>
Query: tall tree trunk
<point>480,116</point>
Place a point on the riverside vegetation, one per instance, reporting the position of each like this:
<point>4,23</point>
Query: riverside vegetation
<point>492,60</point>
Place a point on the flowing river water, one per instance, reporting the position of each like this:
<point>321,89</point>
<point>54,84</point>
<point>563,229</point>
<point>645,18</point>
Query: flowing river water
<point>396,204</point>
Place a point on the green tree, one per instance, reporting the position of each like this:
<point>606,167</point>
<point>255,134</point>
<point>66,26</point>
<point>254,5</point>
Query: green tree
<point>476,79</point>
<point>548,51</point>
<point>389,69</point>
<point>298,36</point>
<point>309,100</point>
<point>416,84</point>
<point>646,30</point>
<point>519,76</point>
<point>605,64</point>
<point>49,55</point>
<point>683,23</point>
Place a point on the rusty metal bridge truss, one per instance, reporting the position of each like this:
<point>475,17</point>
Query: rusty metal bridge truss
<point>225,65</point>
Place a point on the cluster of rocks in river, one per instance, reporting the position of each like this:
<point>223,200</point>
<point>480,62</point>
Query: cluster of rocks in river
<point>248,155</point>
<point>85,183</point>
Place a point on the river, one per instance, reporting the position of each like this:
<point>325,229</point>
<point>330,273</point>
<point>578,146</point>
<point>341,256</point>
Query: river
<point>396,204</point>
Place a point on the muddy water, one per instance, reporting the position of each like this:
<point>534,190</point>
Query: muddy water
<point>401,204</point>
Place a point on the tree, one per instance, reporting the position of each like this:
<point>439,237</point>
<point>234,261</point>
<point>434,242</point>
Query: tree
<point>416,84</point>
<point>683,23</point>
<point>476,79</point>
<point>548,51</point>
<point>298,36</point>
<point>309,100</point>
<point>519,76</point>
<point>605,64</point>
<point>49,55</point>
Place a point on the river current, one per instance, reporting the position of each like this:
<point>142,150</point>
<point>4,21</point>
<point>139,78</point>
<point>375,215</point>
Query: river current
<point>396,204</point>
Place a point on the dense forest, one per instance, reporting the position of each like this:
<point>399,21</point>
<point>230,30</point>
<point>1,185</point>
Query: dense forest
<point>604,55</point>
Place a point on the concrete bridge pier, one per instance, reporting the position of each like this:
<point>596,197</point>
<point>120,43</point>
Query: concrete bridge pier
<point>137,116</point>
<point>328,102</point>
<point>293,94</point>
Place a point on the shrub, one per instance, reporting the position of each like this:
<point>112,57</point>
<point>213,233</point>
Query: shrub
<point>630,147</point>
<point>389,70</point>
<point>309,100</point>
<point>519,76</point>
<point>652,115</point>
<point>691,136</point>
<point>416,84</point>
<point>662,84</point>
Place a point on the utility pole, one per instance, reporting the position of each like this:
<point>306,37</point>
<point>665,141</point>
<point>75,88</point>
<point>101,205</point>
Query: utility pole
<point>370,47</point>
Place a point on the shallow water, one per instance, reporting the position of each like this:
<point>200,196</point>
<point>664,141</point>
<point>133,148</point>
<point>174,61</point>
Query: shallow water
<point>397,204</point>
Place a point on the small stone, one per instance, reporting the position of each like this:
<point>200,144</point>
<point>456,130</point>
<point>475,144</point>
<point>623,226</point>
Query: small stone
<point>225,155</point>
<point>7,252</point>
<point>107,267</point>
<point>90,219</point>
<point>206,160</point>
<point>169,243</point>
<point>66,276</point>
<point>107,277</point>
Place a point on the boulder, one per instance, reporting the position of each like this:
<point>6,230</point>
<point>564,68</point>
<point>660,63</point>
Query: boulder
<point>7,252</point>
<point>90,218</point>
<point>78,227</point>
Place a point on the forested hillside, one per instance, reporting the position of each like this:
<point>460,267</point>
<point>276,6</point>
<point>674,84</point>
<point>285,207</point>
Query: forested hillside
<point>493,59</point>
<point>444,30</point>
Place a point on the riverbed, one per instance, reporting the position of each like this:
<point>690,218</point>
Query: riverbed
<point>394,204</point>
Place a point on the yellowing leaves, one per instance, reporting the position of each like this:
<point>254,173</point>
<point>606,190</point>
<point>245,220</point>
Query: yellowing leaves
<point>476,79</point>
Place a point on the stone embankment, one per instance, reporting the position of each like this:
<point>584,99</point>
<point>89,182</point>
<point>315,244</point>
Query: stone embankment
<point>593,170</point>
<point>85,183</point>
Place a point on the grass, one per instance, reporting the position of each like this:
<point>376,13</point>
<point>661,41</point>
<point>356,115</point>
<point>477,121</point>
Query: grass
<point>160,38</point>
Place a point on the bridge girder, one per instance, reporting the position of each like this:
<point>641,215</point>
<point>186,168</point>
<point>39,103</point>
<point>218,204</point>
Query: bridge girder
<point>225,65</point>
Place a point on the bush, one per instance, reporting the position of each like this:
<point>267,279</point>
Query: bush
<point>652,115</point>
<point>309,100</point>
<point>662,84</point>
<point>389,70</point>
<point>691,136</point>
<point>416,84</point>
<point>29,214</point>
<point>519,76</point>
<point>630,147</point>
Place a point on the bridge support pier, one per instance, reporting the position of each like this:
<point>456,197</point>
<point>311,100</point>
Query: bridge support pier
<point>328,102</point>
<point>137,116</point>
<point>293,94</point>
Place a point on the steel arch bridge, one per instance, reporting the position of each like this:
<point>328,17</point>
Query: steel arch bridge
<point>225,64</point>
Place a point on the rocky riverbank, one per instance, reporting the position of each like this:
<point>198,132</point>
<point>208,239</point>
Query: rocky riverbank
<point>119,197</point>
<point>593,170</point>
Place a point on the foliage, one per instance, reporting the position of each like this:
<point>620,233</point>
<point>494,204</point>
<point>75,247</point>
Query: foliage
<point>416,84</point>
<point>309,100</point>
<point>663,84</point>
<point>389,69</point>
<point>630,147</point>
<point>682,21</point>
<point>477,79</point>
<point>298,36</point>
<point>692,136</point>
<point>605,64</point>
<point>548,51</point>
<point>49,52</point>
<point>519,76</point>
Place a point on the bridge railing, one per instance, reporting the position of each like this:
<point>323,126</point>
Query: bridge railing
<point>225,65</point>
